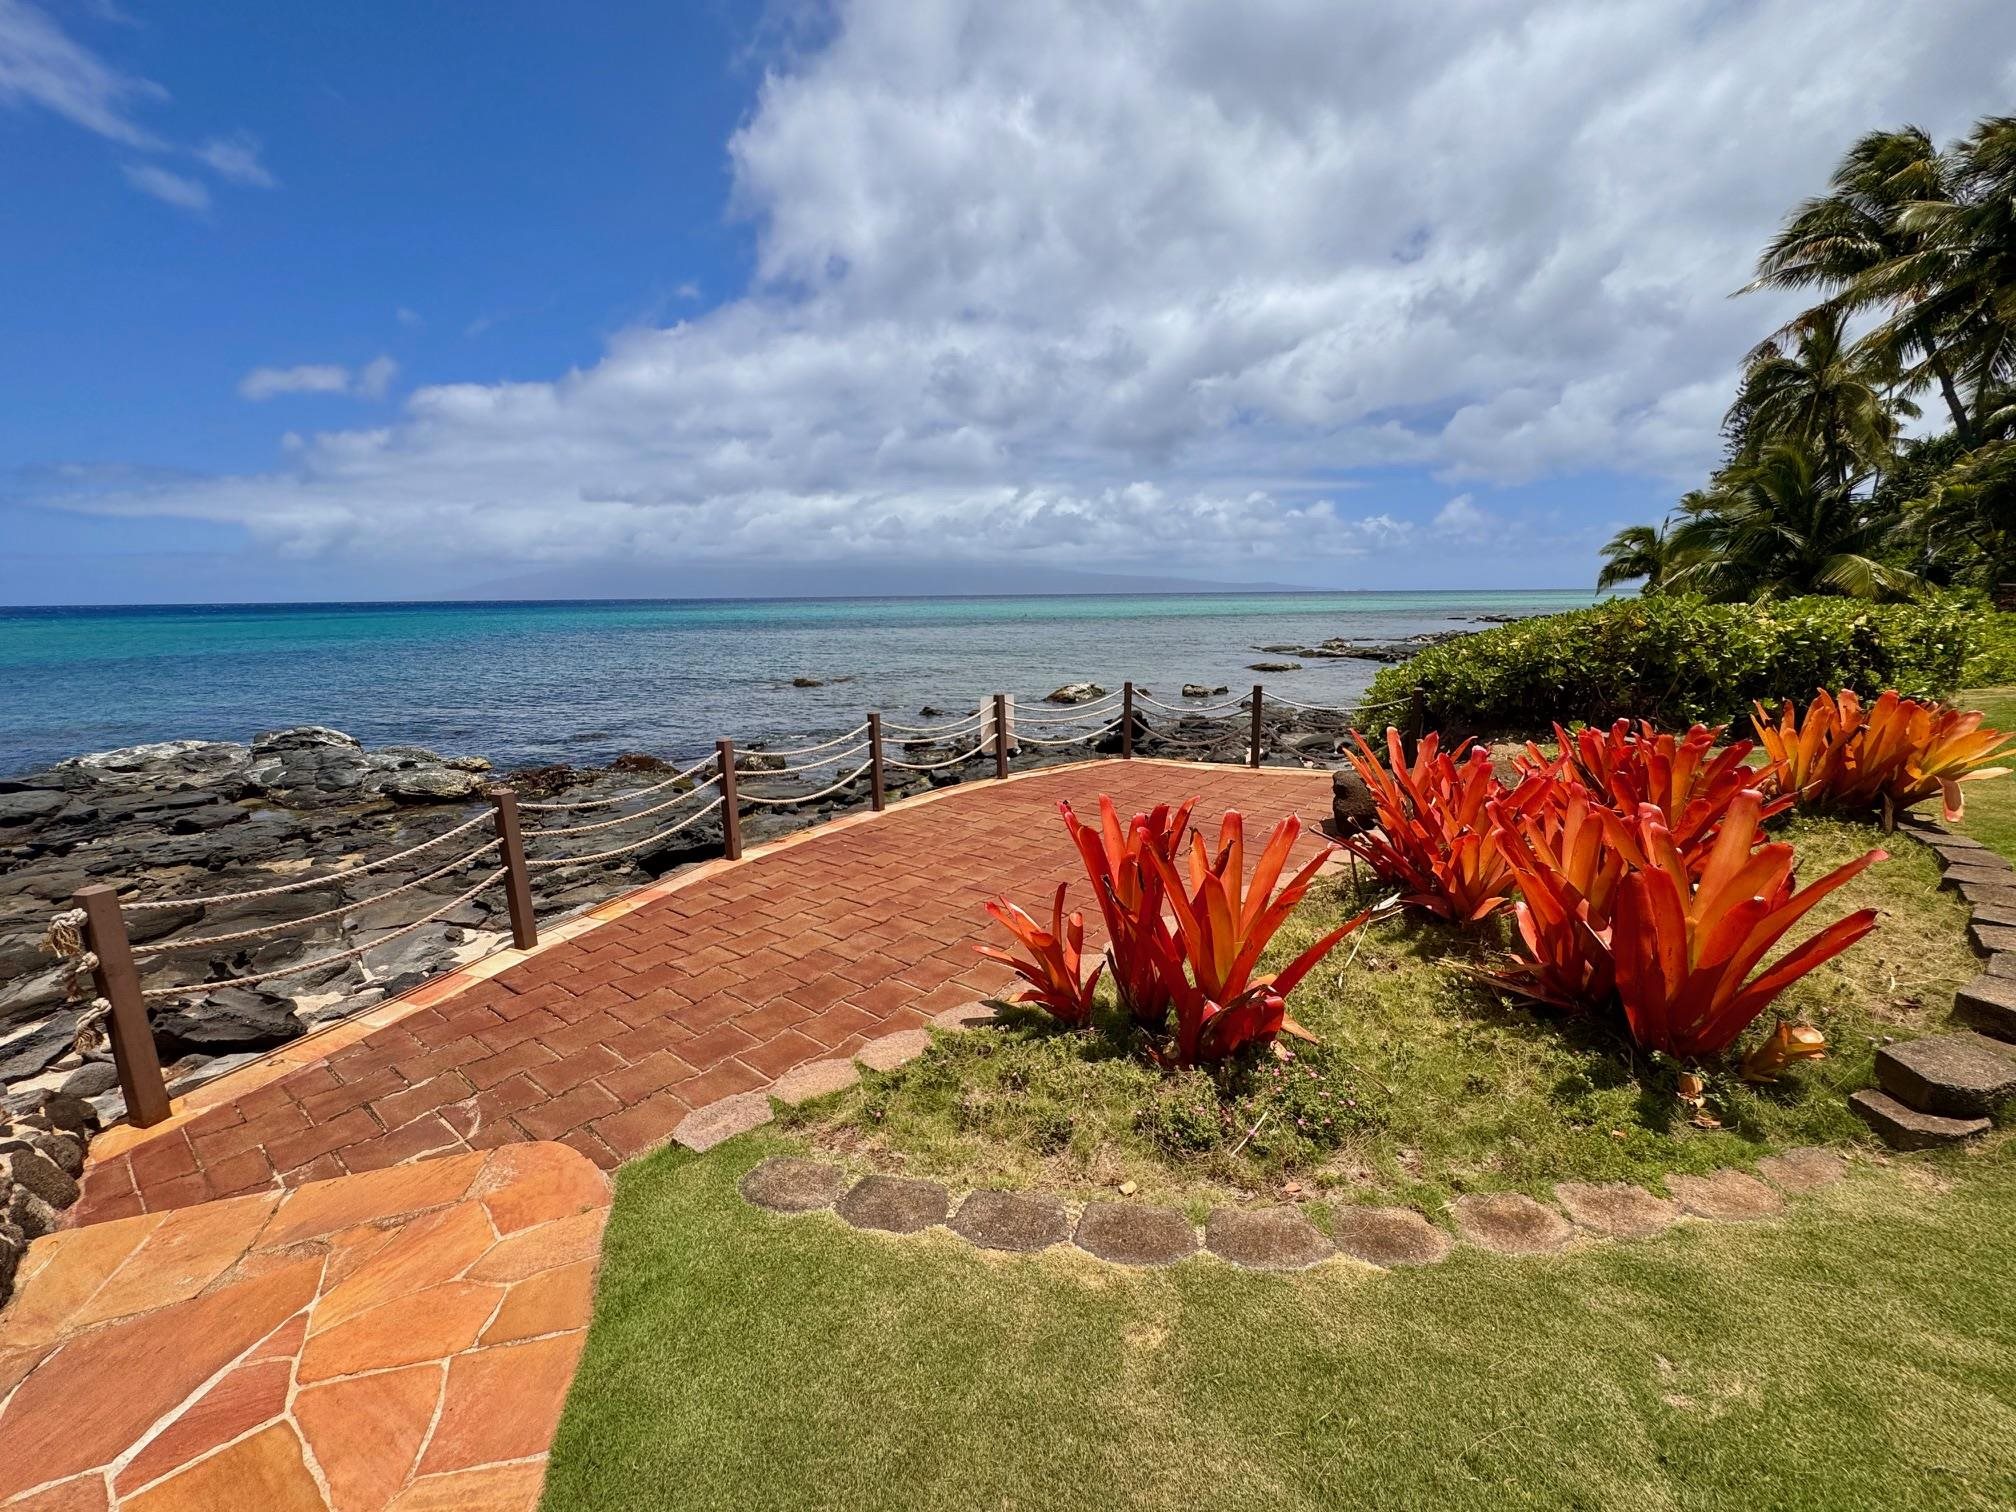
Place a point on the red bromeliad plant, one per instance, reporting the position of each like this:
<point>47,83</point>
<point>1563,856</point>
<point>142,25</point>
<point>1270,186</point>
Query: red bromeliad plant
<point>1683,776</point>
<point>1434,838</point>
<point>1567,872</point>
<point>1895,753</point>
<point>1132,899</point>
<point>1055,959</point>
<point>1207,962</point>
<point>1685,946</point>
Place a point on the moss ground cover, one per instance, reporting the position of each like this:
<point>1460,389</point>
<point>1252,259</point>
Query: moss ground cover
<point>1425,1083</point>
<point>1860,1353</point>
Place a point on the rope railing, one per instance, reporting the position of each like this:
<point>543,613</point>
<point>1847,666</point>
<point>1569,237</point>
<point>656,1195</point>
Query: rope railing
<point>101,965</point>
<point>611,802</point>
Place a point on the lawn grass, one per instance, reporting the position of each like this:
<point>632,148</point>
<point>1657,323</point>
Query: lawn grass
<point>1425,1084</point>
<point>1991,805</point>
<point>1859,1353</point>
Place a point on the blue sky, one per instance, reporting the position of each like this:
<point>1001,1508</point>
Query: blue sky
<point>386,300</point>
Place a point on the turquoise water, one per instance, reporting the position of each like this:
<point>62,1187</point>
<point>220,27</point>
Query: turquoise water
<point>525,682</point>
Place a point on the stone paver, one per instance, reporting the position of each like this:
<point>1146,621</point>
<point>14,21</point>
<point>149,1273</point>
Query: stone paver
<point>893,1050</point>
<point>606,1040</point>
<point>815,1079</point>
<point>1616,1209</point>
<point>707,1127</point>
<point>1011,1221</point>
<point>1388,1236</point>
<point>1726,1196</point>
<point>894,1204</point>
<point>1803,1170</point>
<point>791,1184</point>
<point>1510,1223</point>
<point>1905,1128</point>
<point>1957,1075</point>
<point>297,1350</point>
<point>1265,1239</point>
<point>1130,1233</point>
<point>1989,1004</point>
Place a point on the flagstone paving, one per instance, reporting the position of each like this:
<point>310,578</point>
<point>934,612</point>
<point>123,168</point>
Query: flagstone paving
<point>401,1339</point>
<point>606,1041</point>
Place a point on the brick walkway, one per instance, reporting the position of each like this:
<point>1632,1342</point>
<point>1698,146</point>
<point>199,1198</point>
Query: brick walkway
<point>605,1041</point>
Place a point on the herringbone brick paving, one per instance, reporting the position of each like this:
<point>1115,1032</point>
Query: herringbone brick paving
<point>604,1042</point>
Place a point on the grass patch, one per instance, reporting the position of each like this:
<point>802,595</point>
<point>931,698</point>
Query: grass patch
<point>1425,1084</point>
<point>1991,805</point>
<point>1859,1353</point>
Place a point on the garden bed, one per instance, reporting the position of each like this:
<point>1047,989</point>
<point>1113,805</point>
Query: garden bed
<point>1425,1084</point>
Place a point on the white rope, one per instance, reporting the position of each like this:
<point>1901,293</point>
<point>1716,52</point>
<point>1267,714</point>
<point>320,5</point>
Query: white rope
<point>1069,739</point>
<point>90,1034</point>
<point>167,947</point>
<point>933,766</point>
<point>643,792</point>
<point>196,989</point>
<point>1097,709</point>
<point>1182,743</point>
<point>307,882</point>
<point>890,731</point>
<point>624,850</point>
<point>1199,709</point>
<point>759,773</point>
<point>807,797</point>
<point>602,824</point>
<point>1333,708</point>
<point>860,729</point>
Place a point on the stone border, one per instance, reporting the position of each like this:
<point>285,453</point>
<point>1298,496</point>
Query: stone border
<point>1144,1235</point>
<point>325,1040</point>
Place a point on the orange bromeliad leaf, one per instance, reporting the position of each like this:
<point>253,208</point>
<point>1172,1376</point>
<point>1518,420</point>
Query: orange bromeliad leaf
<point>1567,873</point>
<point>1131,895</point>
<point>1434,838</point>
<point>1895,753</point>
<point>1789,1042</point>
<point>1683,776</point>
<point>1054,962</point>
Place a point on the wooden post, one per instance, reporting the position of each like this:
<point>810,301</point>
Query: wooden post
<point>118,982</point>
<point>1127,721</point>
<point>731,813</point>
<point>1417,720</point>
<point>517,876</point>
<point>876,797</point>
<point>1253,757</point>
<point>1000,734</point>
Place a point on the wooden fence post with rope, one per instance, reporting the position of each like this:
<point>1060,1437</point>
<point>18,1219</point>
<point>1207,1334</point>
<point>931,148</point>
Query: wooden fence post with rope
<point>517,877</point>
<point>1253,753</point>
<point>1000,735</point>
<point>878,798</point>
<point>731,814</point>
<point>118,984</point>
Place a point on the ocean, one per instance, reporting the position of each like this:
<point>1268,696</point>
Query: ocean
<point>578,682</point>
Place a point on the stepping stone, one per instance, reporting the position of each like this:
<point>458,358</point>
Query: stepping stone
<point>1905,1128</point>
<point>1954,1075</point>
<point>1012,1221</point>
<point>1616,1209</point>
<point>704,1128</point>
<point>1990,939</point>
<point>1265,1239</point>
<point>815,1079</point>
<point>893,1050</point>
<point>1947,840</point>
<point>1389,1236</point>
<point>1510,1224</point>
<point>1989,1002</point>
<point>1999,914</point>
<point>894,1204</point>
<point>1130,1233</point>
<point>1804,1170</point>
<point>1726,1196</point>
<point>789,1184</point>
<point>974,1015</point>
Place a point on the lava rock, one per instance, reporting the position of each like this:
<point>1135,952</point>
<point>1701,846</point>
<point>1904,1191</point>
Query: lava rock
<point>1352,810</point>
<point>1075,693</point>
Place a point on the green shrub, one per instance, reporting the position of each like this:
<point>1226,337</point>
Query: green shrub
<point>1676,660</point>
<point>1993,662</point>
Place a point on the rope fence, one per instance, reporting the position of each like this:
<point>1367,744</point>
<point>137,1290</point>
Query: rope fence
<point>102,965</point>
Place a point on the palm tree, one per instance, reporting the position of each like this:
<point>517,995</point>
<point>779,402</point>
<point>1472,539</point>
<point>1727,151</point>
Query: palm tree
<point>1638,551</point>
<point>1850,244</point>
<point>1782,525</point>
<point>1821,394</point>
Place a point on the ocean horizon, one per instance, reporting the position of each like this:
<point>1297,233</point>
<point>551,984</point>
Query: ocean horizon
<point>530,681</point>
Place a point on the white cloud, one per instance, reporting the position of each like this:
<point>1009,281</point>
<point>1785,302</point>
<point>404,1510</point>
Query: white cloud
<point>1461,519</point>
<point>1153,281</point>
<point>41,66</point>
<point>409,318</point>
<point>371,381</point>
<point>170,188</point>
<point>236,158</point>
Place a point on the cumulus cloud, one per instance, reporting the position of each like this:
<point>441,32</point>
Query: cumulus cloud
<point>371,381</point>
<point>1461,519</point>
<point>236,158</point>
<point>1163,282</point>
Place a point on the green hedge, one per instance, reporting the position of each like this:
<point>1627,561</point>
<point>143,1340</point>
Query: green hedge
<point>1676,660</point>
<point>1993,661</point>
